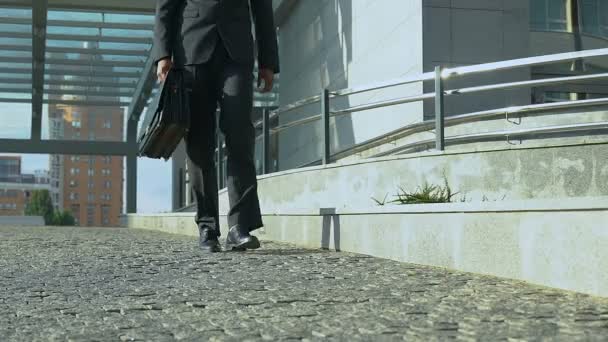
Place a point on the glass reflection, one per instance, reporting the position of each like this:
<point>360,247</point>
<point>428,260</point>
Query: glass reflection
<point>15,28</point>
<point>548,15</point>
<point>16,12</point>
<point>595,17</point>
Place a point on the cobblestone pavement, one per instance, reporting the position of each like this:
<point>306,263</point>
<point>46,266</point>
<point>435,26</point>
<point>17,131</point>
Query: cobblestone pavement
<point>118,284</point>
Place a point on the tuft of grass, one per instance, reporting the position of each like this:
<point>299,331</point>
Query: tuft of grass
<point>381,202</point>
<point>427,193</point>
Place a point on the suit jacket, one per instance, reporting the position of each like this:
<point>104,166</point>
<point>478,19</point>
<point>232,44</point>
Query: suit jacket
<point>188,31</point>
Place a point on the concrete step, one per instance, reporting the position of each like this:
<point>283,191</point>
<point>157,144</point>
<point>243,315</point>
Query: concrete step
<point>561,243</point>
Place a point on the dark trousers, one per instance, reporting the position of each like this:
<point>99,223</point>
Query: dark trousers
<point>229,84</point>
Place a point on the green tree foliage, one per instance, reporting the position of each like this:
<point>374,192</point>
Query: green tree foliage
<point>40,204</point>
<point>63,218</point>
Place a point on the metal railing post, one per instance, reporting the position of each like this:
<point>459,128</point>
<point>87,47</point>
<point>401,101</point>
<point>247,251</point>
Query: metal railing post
<point>265,141</point>
<point>439,110</point>
<point>325,113</point>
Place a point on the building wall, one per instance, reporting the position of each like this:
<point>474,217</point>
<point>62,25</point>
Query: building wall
<point>465,32</point>
<point>16,187</point>
<point>12,200</point>
<point>14,196</point>
<point>341,43</point>
<point>338,44</point>
<point>10,168</point>
<point>91,186</point>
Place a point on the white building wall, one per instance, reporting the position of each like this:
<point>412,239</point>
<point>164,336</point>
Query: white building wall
<point>343,43</point>
<point>339,44</point>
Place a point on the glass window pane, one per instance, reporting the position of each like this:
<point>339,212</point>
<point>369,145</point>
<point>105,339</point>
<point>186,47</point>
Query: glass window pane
<point>132,72</point>
<point>124,58</point>
<point>80,88</point>
<point>603,12</point>
<point>74,16</point>
<point>16,119</point>
<point>125,46</point>
<point>92,80</point>
<point>557,26</point>
<point>27,76</point>
<point>89,31</point>
<point>15,41</point>
<point>27,65</point>
<point>21,54</point>
<point>590,17</point>
<point>16,12</point>
<point>25,86</point>
<point>18,96</point>
<point>538,14</point>
<point>557,9</point>
<point>15,28</point>
<point>128,33</point>
<point>129,18</point>
<point>64,43</point>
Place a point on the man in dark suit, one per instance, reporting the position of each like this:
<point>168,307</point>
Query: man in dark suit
<point>212,42</point>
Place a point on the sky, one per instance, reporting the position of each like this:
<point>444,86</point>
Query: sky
<point>153,176</point>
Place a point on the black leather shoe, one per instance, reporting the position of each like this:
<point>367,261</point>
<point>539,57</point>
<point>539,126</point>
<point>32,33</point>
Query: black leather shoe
<point>208,241</point>
<point>239,239</point>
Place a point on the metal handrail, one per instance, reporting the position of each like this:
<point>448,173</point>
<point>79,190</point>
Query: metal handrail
<point>418,145</point>
<point>596,126</point>
<point>297,123</point>
<point>428,125</point>
<point>427,76</point>
<point>451,72</point>
<point>386,103</point>
<point>296,105</point>
<point>525,84</point>
<point>523,62</point>
<point>439,76</point>
<point>451,92</point>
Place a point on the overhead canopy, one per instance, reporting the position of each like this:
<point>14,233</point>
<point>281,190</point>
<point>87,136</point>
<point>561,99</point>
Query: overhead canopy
<point>80,52</point>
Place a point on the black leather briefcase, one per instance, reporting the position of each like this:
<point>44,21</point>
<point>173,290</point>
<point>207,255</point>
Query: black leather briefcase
<point>171,119</point>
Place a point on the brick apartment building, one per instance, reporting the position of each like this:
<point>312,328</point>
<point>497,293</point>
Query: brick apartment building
<point>16,187</point>
<point>90,187</point>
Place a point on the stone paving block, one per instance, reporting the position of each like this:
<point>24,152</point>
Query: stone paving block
<point>73,284</point>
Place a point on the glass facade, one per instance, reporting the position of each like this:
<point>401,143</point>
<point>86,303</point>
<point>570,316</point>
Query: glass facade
<point>553,15</point>
<point>549,15</point>
<point>16,73</point>
<point>594,14</point>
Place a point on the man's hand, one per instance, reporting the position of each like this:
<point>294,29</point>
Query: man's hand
<point>162,69</point>
<point>268,76</point>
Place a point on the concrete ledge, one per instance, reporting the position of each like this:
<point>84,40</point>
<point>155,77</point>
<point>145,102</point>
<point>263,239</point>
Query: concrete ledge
<point>556,243</point>
<point>569,171</point>
<point>31,221</point>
